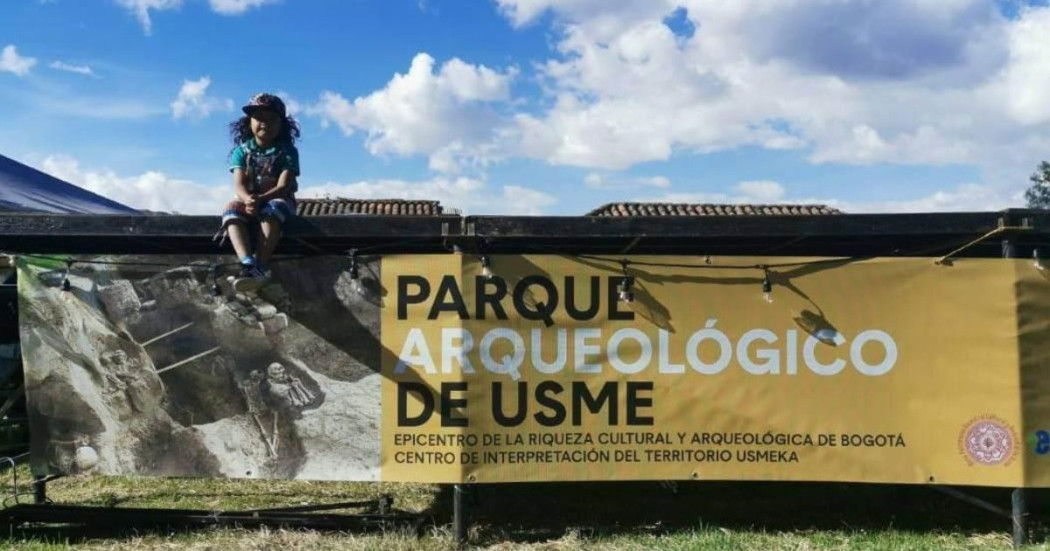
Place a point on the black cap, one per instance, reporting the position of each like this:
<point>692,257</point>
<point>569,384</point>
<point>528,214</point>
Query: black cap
<point>264,101</point>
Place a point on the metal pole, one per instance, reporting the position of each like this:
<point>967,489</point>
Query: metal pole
<point>39,489</point>
<point>1018,504</point>
<point>1020,517</point>
<point>459,514</point>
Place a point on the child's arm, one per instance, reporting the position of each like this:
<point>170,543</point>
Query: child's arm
<point>284,181</point>
<point>240,188</point>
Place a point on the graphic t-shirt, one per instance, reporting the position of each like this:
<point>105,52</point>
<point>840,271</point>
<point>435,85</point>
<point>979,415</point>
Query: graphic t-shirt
<point>264,166</point>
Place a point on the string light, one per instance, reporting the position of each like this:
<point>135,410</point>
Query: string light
<point>625,287</point>
<point>355,276</point>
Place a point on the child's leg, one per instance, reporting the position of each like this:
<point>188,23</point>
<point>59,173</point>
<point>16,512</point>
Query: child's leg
<point>235,219</point>
<point>273,214</point>
<point>240,239</point>
<point>269,235</point>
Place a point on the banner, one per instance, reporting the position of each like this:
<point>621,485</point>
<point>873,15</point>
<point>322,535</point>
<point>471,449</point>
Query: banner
<point>543,368</point>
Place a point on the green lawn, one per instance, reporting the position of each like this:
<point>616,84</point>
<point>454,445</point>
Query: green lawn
<point>615,516</point>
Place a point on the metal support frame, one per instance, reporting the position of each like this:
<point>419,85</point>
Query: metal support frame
<point>890,235</point>
<point>460,513</point>
<point>1017,513</point>
<point>1018,503</point>
<point>1019,516</point>
<point>40,490</point>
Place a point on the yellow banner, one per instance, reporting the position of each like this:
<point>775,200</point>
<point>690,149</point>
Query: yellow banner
<point>883,370</point>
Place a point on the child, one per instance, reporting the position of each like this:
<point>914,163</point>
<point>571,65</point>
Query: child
<point>265,165</point>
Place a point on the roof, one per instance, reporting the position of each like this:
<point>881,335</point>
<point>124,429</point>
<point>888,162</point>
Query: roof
<point>26,189</point>
<point>336,206</point>
<point>708,209</point>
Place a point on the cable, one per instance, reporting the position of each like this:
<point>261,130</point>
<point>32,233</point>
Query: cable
<point>704,266</point>
<point>993,233</point>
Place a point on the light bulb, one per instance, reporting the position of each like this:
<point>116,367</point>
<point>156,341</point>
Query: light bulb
<point>624,290</point>
<point>486,267</point>
<point>355,277</point>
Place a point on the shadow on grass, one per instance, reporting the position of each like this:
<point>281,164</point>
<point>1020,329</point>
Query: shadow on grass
<point>536,512</point>
<point>542,511</point>
<point>125,527</point>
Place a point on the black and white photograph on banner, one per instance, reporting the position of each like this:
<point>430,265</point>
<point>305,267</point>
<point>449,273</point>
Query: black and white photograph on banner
<point>157,366</point>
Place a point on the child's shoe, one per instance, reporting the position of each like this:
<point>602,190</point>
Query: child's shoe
<point>250,279</point>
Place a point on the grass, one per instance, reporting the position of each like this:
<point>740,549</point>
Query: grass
<point>612,516</point>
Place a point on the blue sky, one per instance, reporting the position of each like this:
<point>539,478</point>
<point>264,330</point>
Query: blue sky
<point>541,106</point>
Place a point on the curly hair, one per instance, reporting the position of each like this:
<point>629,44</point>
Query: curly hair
<point>241,130</point>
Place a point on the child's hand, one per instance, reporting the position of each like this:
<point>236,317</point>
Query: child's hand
<point>250,204</point>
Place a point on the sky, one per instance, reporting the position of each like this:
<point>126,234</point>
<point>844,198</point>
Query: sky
<point>541,107</point>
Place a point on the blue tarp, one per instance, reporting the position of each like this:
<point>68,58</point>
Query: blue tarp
<point>26,189</point>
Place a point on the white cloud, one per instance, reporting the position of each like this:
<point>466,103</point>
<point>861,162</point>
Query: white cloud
<point>293,106</point>
<point>78,69</point>
<point>152,190</point>
<point>334,108</point>
<point>921,82</point>
<point>11,62</point>
<point>470,195</point>
<point>852,81</point>
<point>157,191</point>
<point>963,198</point>
<point>523,12</point>
<point>655,181</point>
<point>194,102</point>
<point>1026,78</point>
<point>237,7</point>
<point>762,191</point>
<point>444,113</point>
<point>753,192</point>
<point>599,181</point>
<point>141,9</point>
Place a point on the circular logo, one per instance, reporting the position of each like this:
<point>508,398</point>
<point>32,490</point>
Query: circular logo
<point>988,441</point>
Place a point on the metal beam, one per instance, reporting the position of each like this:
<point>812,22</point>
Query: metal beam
<point>928,234</point>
